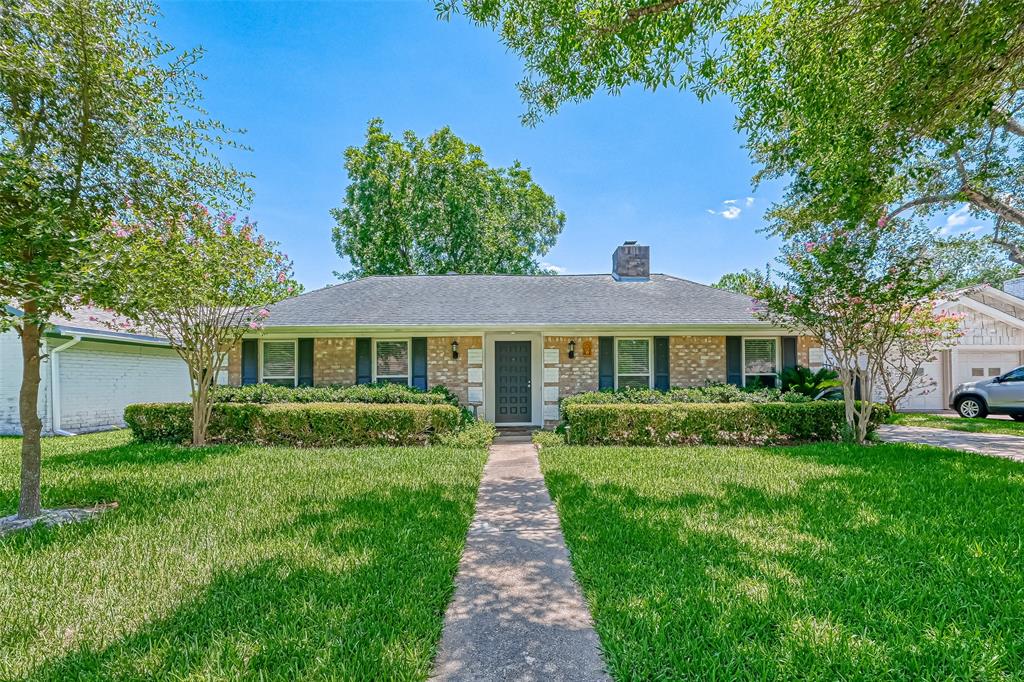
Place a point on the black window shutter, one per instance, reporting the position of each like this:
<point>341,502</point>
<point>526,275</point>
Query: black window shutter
<point>788,352</point>
<point>364,361</point>
<point>419,363</point>
<point>606,362</point>
<point>661,371</point>
<point>250,361</point>
<point>734,360</point>
<point>305,362</point>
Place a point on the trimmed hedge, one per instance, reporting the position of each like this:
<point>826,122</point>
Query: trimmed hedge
<point>708,424</point>
<point>299,425</point>
<point>709,393</point>
<point>362,393</point>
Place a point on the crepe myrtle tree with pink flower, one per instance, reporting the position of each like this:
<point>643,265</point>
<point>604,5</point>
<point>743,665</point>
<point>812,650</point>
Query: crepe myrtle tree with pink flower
<point>868,293</point>
<point>201,280</point>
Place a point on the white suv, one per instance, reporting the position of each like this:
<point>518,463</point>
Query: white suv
<point>998,395</point>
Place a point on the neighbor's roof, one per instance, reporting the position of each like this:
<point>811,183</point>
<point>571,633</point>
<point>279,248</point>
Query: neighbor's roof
<point>503,300</point>
<point>95,323</point>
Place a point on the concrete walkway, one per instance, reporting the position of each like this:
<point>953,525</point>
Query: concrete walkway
<point>518,613</point>
<point>994,444</point>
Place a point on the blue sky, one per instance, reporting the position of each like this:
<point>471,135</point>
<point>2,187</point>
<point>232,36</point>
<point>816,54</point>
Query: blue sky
<point>303,78</point>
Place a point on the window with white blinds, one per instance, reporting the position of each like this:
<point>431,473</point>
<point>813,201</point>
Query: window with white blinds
<point>392,361</point>
<point>279,362</point>
<point>632,363</point>
<point>760,360</point>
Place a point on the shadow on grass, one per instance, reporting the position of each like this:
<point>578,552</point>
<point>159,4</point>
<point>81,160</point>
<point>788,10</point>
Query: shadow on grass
<point>885,562</point>
<point>354,589</point>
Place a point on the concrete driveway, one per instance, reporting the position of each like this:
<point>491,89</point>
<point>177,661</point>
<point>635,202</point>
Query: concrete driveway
<point>993,444</point>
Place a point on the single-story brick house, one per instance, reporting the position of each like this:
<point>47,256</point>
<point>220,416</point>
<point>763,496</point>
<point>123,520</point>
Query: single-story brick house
<point>511,346</point>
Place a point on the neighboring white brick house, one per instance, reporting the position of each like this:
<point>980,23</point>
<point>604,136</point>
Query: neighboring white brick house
<point>96,377</point>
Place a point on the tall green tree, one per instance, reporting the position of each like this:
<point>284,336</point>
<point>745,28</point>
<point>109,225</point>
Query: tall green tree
<point>870,110</point>
<point>96,115</point>
<point>740,282</point>
<point>432,206</point>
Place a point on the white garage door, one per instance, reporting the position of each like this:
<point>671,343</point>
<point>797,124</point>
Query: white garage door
<point>932,395</point>
<point>977,365</point>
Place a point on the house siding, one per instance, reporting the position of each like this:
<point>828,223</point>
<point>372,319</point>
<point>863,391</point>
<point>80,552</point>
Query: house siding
<point>235,365</point>
<point>443,370</point>
<point>804,344</point>
<point>696,360</point>
<point>97,381</point>
<point>334,362</point>
<point>10,384</point>
<point>573,376</point>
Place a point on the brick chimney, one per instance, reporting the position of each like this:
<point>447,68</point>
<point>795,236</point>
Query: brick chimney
<point>1014,287</point>
<point>631,262</point>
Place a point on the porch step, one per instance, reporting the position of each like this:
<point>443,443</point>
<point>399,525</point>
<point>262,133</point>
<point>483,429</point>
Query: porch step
<point>515,434</point>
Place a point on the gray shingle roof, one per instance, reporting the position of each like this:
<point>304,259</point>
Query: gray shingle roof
<point>438,300</point>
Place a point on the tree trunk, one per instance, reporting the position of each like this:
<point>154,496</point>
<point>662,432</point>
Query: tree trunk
<point>200,414</point>
<point>31,425</point>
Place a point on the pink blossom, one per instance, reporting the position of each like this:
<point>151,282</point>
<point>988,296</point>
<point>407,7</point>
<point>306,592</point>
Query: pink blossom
<point>264,313</point>
<point>254,325</point>
<point>809,246</point>
<point>883,221</point>
<point>281,277</point>
<point>121,232</point>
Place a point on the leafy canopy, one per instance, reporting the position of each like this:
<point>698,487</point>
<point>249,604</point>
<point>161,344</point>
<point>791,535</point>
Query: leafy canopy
<point>866,109</point>
<point>433,206</point>
<point>96,114</point>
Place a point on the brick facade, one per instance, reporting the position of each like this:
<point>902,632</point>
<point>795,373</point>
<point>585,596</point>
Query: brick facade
<point>235,365</point>
<point>444,370</point>
<point>574,376</point>
<point>696,360</point>
<point>804,344</point>
<point>334,362</point>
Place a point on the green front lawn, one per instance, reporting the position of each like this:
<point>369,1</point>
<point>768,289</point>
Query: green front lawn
<point>943,421</point>
<point>231,562</point>
<point>814,562</point>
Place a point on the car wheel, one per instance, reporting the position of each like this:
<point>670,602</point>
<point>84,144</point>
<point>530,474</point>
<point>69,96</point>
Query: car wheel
<point>971,407</point>
<point>1018,417</point>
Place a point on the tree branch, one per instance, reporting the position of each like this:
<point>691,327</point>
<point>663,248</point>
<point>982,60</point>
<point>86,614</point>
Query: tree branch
<point>637,13</point>
<point>1014,126</point>
<point>1014,250</point>
<point>921,201</point>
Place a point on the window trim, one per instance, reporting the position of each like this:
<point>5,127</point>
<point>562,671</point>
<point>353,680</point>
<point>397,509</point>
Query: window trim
<point>295,361</point>
<point>408,359</point>
<point>743,357</point>
<point>650,358</point>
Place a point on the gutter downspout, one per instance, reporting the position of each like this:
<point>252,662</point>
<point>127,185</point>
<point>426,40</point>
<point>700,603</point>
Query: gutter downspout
<point>55,387</point>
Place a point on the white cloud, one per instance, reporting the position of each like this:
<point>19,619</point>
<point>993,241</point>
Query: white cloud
<point>749,201</point>
<point>731,210</point>
<point>956,219</point>
<point>557,269</point>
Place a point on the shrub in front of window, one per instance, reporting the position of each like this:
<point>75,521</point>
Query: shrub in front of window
<point>710,393</point>
<point>708,424</point>
<point>362,393</point>
<point>298,425</point>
